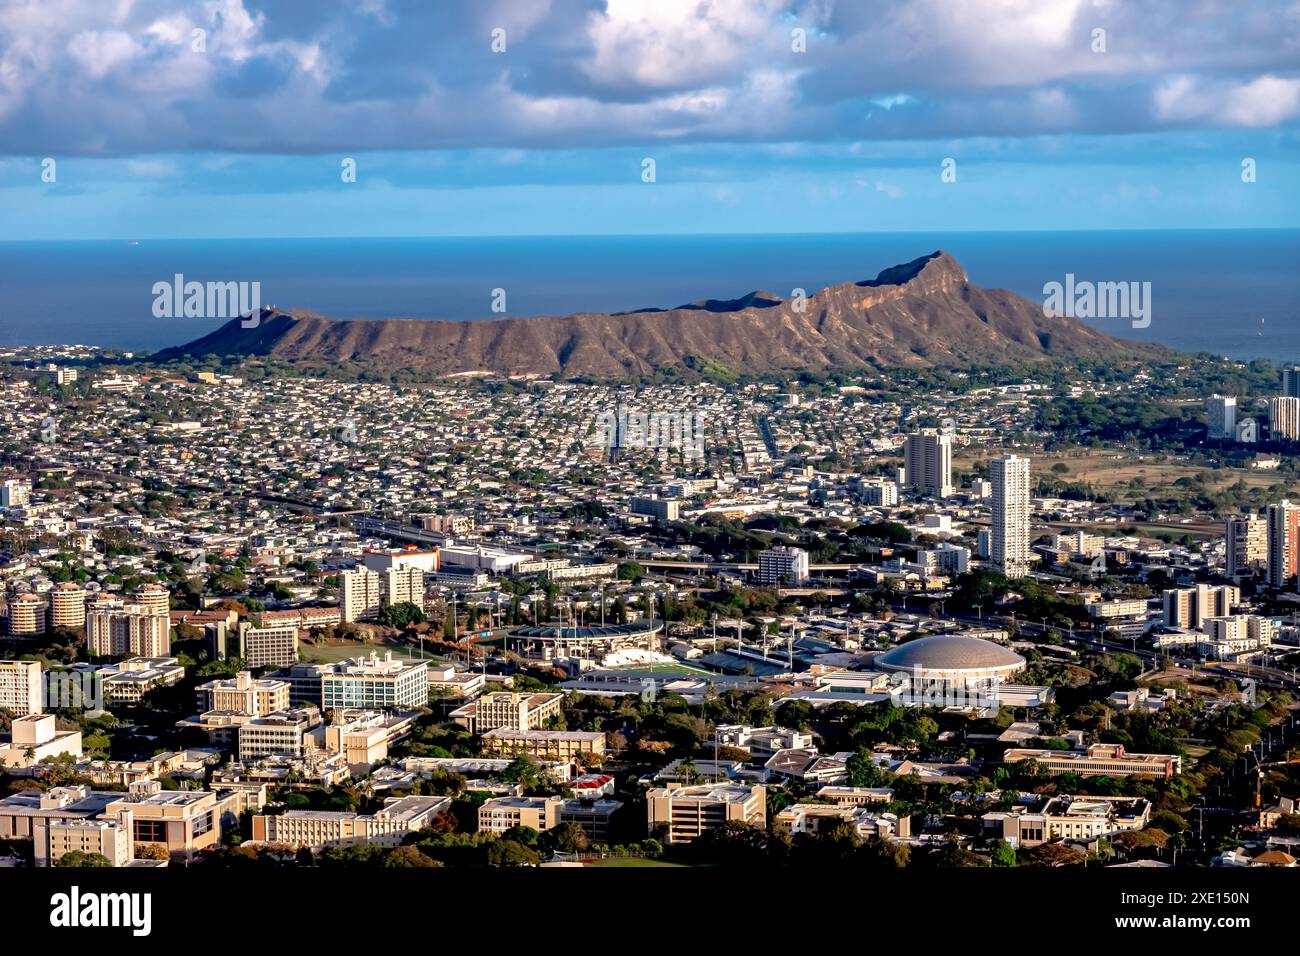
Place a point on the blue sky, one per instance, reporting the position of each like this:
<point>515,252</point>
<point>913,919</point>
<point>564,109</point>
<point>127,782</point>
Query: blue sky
<point>158,131</point>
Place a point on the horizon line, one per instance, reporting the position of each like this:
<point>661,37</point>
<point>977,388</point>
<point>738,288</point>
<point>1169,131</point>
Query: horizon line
<point>664,235</point>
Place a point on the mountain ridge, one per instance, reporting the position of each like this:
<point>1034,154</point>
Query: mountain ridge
<point>921,313</point>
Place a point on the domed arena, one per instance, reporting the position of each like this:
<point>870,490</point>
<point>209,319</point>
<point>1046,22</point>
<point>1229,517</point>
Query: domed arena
<point>952,659</point>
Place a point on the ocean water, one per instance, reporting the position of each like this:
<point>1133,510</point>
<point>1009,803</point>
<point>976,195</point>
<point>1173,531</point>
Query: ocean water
<point>1233,293</point>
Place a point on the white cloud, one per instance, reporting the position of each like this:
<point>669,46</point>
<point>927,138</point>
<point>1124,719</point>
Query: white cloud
<point>1264,101</point>
<point>119,76</point>
<point>236,28</point>
<point>99,53</point>
<point>656,44</point>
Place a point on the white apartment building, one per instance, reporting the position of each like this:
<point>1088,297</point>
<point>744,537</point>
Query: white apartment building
<point>444,524</point>
<point>1191,607</point>
<point>1284,417</point>
<point>1227,637</point>
<point>131,629</point>
<point>359,595</point>
<point>927,463</point>
<point>401,585</point>
<point>28,615</point>
<point>15,492</point>
<point>20,687</point>
<point>67,605</point>
<point>879,492</point>
<point>1009,535</point>
<point>947,558</point>
<point>664,509</point>
<point>1245,545</point>
<point>1221,416</point>
<point>1079,542</point>
<point>153,597</point>
<point>268,645</point>
<point>1122,608</point>
<point>782,565</point>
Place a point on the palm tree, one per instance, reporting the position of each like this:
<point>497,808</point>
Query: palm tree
<point>686,770</point>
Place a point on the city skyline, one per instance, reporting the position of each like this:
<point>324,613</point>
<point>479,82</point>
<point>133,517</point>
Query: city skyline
<point>850,447</point>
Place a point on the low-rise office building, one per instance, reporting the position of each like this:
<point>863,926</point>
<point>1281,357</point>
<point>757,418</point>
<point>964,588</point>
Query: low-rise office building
<point>1068,818</point>
<point>405,772</point>
<point>301,617</point>
<point>820,817</point>
<point>504,813</point>
<point>318,829</point>
<point>108,837</point>
<point>304,682</point>
<point>364,737</point>
<point>243,694</point>
<point>128,681</point>
<point>34,738</point>
<point>286,733</point>
<point>22,812</point>
<point>762,741</point>
<point>506,710</point>
<point>376,683</point>
<point>680,814</point>
<point>1095,760</point>
<point>447,682</point>
<point>595,817</point>
<point>855,796</point>
<point>181,821</point>
<point>544,744</point>
<point>807,767</point>
<point>262,645</point>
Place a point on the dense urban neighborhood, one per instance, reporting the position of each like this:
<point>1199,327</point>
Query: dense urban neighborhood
<point>1026,617</point>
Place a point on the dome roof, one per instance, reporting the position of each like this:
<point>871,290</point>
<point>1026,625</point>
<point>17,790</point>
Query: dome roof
<point>949,652</point>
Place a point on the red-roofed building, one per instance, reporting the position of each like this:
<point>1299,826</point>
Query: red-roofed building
<point>591,785</point>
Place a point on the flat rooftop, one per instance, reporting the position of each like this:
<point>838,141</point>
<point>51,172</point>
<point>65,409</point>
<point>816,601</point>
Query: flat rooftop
<point>717,793</point>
